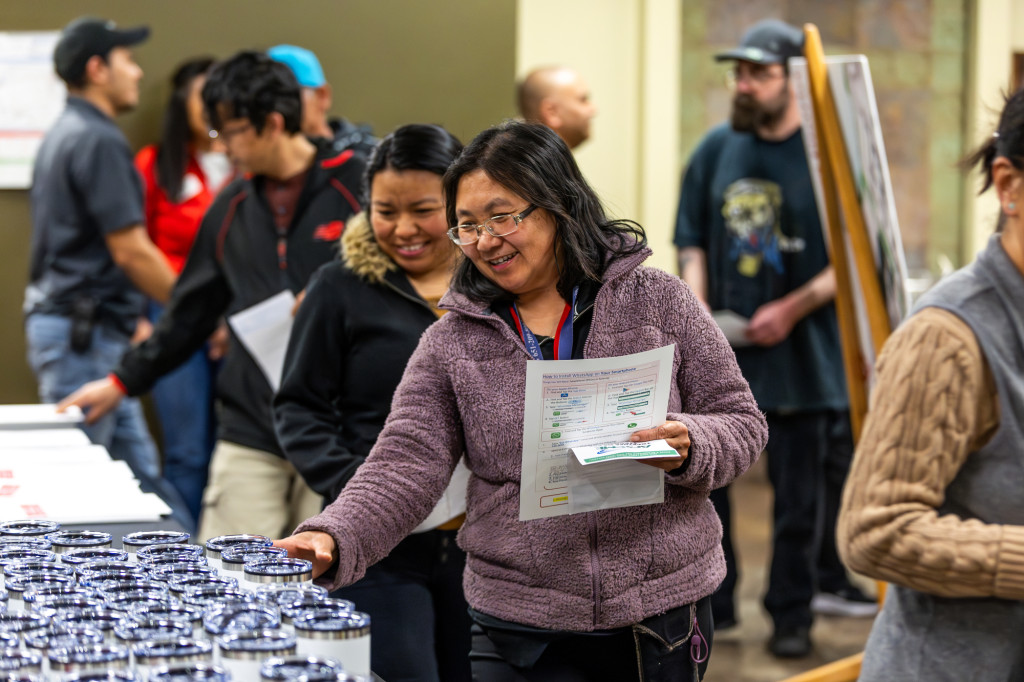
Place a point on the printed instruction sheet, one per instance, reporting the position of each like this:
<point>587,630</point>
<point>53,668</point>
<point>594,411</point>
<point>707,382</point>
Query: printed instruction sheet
<point>575,403</point>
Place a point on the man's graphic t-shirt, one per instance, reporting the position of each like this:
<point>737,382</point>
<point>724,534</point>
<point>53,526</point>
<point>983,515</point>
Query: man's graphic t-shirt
<point>750,205</point>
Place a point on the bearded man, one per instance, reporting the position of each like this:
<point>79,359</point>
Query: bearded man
<point>750,240</point>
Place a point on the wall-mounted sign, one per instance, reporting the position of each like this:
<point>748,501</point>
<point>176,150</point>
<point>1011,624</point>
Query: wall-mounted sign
<point>31,98</point>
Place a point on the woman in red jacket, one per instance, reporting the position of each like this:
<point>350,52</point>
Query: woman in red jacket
<point>182,175</point>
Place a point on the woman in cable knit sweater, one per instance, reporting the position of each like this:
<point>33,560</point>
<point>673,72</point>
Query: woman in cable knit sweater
<point>615,594</point>
<point>933,503</point>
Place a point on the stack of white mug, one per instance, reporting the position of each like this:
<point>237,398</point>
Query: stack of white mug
<point>164,610</point>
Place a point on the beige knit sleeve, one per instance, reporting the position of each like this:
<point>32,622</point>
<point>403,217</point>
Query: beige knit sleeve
<point>934,403</point>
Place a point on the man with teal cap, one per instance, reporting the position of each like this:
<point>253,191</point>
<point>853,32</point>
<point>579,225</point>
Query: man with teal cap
<point>316,102</point>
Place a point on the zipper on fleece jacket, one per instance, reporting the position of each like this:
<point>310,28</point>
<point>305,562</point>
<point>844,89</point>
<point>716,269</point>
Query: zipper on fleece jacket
<point>595,567</point>
<point>595,564</point>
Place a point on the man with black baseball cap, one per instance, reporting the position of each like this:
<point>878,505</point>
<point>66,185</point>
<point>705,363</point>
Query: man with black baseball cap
<point>750,241</point>
<point>87,37</point>
<point>92,262</point>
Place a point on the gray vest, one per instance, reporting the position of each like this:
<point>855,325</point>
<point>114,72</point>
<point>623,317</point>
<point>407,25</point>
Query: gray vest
<point>919,636</point>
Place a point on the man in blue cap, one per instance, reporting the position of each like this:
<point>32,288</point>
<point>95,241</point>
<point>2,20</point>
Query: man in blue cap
<point>317,100</point>
<point>92,262</point>
<point>750,241</point>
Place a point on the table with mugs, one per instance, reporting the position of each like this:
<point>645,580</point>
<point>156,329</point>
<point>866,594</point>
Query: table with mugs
<point>83,605</point>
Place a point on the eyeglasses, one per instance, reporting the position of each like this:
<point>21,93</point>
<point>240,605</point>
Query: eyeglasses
<point>759,75</point>
<point>496,226</point>
<point>226,134</point>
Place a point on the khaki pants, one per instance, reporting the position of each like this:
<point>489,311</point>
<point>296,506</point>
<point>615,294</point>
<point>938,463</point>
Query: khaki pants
<point>252,491</point>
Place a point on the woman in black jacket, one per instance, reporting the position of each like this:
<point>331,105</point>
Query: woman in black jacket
<point>354,332</point>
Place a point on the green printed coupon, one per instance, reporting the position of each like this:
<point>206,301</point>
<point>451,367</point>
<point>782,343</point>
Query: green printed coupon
<point>651,449</point>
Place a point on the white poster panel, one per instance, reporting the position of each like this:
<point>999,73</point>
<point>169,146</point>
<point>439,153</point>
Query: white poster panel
<point>31,98</point>
<point>853,93</point>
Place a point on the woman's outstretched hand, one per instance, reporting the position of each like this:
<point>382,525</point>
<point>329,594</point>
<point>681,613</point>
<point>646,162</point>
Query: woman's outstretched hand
<point>675,434</point>
<point>313,546</point>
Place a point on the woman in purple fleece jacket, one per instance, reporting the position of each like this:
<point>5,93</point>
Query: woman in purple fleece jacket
<point>615,594</point>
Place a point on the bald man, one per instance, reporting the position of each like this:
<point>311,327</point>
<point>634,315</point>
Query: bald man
<point>560,99</point>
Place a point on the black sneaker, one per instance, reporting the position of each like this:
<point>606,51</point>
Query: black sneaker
<point>790,642</point>
<point>849,602</point>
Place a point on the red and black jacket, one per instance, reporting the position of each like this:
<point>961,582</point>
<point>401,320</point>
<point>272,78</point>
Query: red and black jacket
<point>239,259</point>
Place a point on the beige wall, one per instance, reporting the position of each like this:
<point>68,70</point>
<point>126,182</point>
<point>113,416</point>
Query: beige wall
<point>390,62</point>
<point>997,33</point>
<point>628,52</point>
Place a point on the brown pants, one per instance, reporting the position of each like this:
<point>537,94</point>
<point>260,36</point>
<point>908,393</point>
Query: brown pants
<point>252,491</point>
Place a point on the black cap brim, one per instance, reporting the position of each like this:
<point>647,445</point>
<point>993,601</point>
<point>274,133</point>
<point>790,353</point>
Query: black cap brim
<point>750,54</point>
<point>129,36</point>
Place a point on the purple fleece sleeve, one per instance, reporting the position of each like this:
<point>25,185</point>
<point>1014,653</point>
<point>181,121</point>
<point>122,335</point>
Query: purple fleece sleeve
<point>405,473</point>
<point>727,431</point>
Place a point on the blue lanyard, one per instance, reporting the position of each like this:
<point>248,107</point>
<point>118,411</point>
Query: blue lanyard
<point>563,336</point>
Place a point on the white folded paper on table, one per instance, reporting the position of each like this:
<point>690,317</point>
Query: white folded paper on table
<point>42,438</point>
<point>264,329</point>
<point>82,492</point>
<point>53,457</point>
<point>734,326</point>
<point>145,508</point>
<point>44,416</point>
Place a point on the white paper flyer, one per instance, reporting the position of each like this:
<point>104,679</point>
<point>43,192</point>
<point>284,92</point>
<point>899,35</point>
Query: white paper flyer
<point>577,403</point>
<point>264,330</point>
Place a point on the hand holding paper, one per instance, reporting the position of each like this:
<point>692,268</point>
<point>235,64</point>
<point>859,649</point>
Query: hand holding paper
<point>675,435</point>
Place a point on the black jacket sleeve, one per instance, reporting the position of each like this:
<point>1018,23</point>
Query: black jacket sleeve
<point>199,299</point>
<point>306,414</point>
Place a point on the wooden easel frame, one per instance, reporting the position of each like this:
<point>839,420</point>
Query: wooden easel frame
<point>843,210</point>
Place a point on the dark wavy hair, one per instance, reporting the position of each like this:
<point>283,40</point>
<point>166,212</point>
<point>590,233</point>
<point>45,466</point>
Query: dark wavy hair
<point>1007,141</point>
<point>415,146</point>
<point>172,151</point>
<point>534,163</point>
<point>252,85</point>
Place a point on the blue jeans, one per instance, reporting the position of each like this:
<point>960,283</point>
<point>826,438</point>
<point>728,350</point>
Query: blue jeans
<point>419,584</point>
<point>60,371</point>
<point>185,405</point>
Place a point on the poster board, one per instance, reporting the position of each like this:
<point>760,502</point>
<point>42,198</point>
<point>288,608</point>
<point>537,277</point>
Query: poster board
<point>857,111</point>
<point>31,98</point>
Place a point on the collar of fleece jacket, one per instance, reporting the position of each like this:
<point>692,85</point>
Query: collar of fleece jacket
<point>361,253</point>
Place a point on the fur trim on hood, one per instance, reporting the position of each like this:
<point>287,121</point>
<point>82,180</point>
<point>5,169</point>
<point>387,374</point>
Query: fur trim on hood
<point>361,253</point>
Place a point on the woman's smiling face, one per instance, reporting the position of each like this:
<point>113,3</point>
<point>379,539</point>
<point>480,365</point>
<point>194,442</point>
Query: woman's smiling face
<point>407,215</point>
<point>522,262</point>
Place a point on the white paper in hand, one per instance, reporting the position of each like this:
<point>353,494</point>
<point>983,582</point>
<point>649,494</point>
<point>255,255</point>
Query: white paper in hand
<point>734,326</point>
<point>264,330</point>
<point>628,450</point>
<point>609,476</point>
